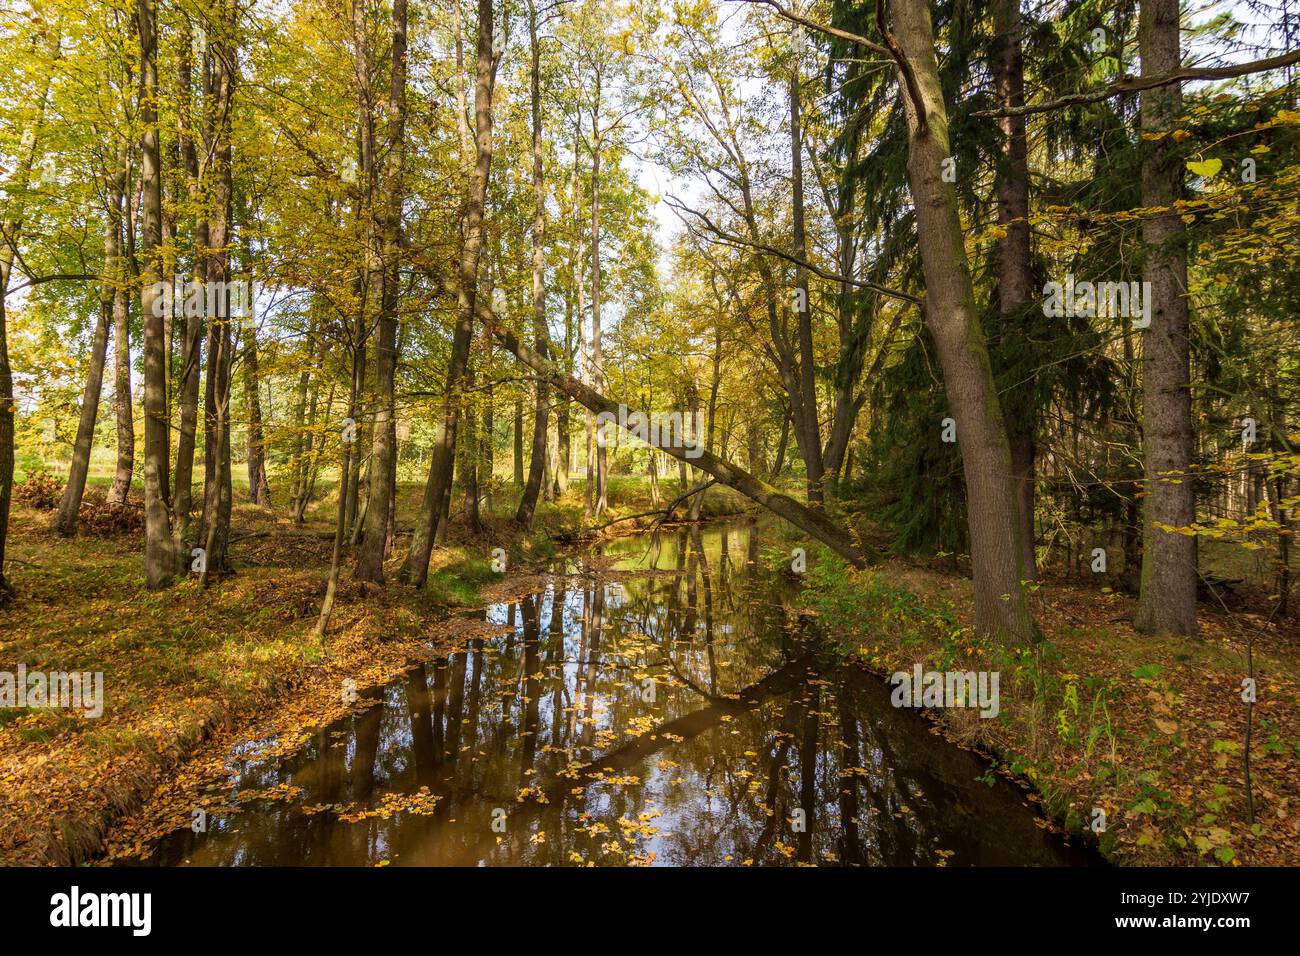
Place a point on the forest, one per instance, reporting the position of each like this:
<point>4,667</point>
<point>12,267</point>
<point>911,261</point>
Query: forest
<point>689,432</point>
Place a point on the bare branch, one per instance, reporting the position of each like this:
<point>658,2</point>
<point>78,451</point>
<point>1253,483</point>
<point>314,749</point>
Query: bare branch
<point>823,28</point>
<point>891,48</point>
<point>817,270</point>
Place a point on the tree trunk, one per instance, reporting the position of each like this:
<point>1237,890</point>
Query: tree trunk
<point>1015,272</point>
<point>517,461</point>
<point>564,441</point>
<point>807,429</point>
<point>316,448</point>
<point>217,491</point>
<point>70,505</point>
<point>486,442</point>
<point>1167,603</point>
<point>259,490</point>
<point>10,233</point>
<point>352,480</point>
<point>853,317</point>
<point>341,517</point>
<point>778,462</point>
<point>6,417</point>
<point>601,501</point>
<point>1001,602</point>
<point>415,569</point>
<point>159,555</point>
<point>122,406</point>
<point>188,387</point>
<point>537,463</point>
<point>468,449</point>
<point>563,437</point>
<point>304,435</point>
<point>383,453</point>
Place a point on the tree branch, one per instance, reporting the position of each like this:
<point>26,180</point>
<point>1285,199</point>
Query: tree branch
<point>823,28</point>
<point>735,240</point>
<point>891,48</point>
<point>1135,84</point>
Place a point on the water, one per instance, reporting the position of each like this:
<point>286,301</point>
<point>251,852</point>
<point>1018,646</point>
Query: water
<point>669,712</point>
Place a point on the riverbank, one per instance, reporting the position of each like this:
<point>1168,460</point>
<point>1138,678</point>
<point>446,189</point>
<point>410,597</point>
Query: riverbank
<point>656,704</point>
<point>1136,741</point>
<point>1152,736</point>
<point>188,673</point>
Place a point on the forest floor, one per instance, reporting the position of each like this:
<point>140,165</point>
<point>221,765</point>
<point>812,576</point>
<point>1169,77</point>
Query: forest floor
<point>1148,730</point>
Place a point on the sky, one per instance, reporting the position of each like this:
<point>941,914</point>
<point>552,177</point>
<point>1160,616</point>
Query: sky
<point>1261,37</point>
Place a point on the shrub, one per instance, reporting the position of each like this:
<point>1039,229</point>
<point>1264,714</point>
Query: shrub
<point>41,490</point>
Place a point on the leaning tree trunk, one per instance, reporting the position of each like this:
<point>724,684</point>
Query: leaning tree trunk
<point>1001,601</point>
<point>70,504</point>
<point>1167,603</point>
<point>814,522</point>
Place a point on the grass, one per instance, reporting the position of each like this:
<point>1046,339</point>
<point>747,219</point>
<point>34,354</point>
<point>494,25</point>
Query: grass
<point>1101,722</point>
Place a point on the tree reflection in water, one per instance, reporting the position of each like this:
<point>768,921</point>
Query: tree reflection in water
<point>756,746</point>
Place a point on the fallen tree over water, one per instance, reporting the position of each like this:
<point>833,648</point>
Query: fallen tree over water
<point>816,523</point>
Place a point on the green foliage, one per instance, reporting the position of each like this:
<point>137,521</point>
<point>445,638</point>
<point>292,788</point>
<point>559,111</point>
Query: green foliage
<point>916,483</point>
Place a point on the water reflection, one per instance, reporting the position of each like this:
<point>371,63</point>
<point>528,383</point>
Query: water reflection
<point>679,717</point>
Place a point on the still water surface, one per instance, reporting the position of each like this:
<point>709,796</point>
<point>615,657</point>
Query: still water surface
<point>671,713</point>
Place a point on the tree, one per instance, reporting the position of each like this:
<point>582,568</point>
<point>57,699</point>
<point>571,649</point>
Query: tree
<point>1168,599</point>
<point>537,459</point>
<point>1015,267</point>
<point>218,496</point>
<point>1001,602</point>
<point>415,569</point>
<point>187,392</point>
<point>70,504</point>
<point>383,455</point>
<point>159,554</point>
